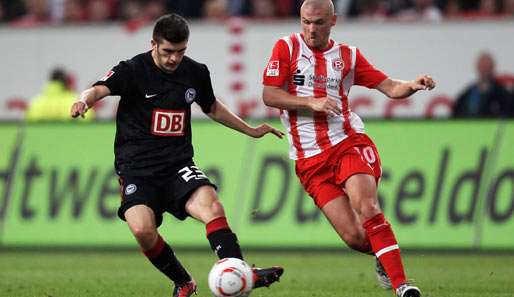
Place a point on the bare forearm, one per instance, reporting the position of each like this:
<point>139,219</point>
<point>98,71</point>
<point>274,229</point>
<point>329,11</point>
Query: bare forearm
<point>221,114</point>
<point>87,99</point>
<point>276,97</point>
<point>92,95</point>
<point>401,90</point>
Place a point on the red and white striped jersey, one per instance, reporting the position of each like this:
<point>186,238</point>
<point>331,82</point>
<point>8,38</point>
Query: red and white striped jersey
<point>303,71</point>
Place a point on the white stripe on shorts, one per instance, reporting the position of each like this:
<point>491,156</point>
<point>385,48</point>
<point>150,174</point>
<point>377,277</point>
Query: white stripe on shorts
<point>386,250</point>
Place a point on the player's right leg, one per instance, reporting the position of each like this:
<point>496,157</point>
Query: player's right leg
<point>137,196</point>
<point>347,224</point>
<point>141,221</point>
<point>361,189</point>
<point>318,180</point>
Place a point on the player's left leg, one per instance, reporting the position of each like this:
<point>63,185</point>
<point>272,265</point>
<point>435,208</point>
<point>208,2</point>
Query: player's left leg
<point>362,190</point>
<point>204,205</point>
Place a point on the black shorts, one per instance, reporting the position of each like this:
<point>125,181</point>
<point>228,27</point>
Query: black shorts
<point>162,193</point>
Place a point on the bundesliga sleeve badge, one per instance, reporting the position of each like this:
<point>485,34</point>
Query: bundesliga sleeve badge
<point>273,68</point>
<point>106,76</point>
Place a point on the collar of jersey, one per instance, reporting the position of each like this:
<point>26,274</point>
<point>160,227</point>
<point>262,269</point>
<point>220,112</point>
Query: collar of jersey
<point>329,46</point>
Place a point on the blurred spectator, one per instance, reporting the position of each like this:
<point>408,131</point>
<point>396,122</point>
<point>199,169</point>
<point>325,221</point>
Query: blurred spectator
<point>2,14</point>
<point>423,10</point>
<point>37,13</point>
<point>485,9</point>
<point>508,8</point>
<point>369,10</point>
<point>187,8</point>
<point>56,10</point>
<point>215,9</point>
<point>489,8</point>
<point>12,9</point>
<point>131,10</point>
<point>139,13</point>
<point>342,7</point>
<point>394,6</point>
<point>73,11</point>
<point>452,9</point>
<point>286,8</point>
<point>264,9</point>
<point>99,10</point>
<point>238,8</point>
<point>507,81</point>
<point>484,98</point>
<point>154,9</point>
<point>53,104</point>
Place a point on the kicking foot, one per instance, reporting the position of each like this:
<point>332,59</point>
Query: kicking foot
<point>264,277</point>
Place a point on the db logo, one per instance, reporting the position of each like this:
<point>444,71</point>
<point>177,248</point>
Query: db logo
<point>167,122</point>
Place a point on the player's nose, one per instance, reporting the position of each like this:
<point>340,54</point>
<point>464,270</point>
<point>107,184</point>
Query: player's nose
<point>173,59</point>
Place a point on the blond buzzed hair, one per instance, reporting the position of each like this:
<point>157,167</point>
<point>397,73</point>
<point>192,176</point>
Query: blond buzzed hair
<point>319,4</point>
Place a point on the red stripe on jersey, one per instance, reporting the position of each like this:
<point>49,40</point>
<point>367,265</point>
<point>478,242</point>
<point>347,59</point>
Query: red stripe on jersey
<point>346,55</point>
<point>320,90</point>
<point>293,114</point>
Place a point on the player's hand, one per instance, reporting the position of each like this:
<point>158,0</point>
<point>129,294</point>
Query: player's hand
<point>78,108</point>
<point>324,104</point>
<point>423,82</point>
<point>265,129</point>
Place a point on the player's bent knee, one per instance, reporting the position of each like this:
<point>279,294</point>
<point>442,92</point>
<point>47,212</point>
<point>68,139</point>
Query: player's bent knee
<point>144,235</point>
<point>212,211</point>
<point>205,207</point>
<point>216,209</point>
<point>354,241</point>
<point>368,208</point>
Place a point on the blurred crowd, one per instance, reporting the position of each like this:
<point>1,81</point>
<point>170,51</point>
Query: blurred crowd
<point>48,12</point>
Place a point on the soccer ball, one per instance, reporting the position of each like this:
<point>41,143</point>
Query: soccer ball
<point>231,277</point>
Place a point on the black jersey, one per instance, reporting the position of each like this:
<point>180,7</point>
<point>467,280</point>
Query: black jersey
<point>153,121</point>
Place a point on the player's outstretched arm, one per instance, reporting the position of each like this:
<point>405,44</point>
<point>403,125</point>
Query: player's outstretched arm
<point>277,97</point>
<point>221,114</point>
<point>399,89</point>
<point>87,99</point>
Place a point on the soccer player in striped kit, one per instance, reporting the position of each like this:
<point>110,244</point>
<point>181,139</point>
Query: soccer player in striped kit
<point>308,77</point>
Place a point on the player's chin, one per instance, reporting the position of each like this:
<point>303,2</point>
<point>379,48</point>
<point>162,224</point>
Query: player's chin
<point>314,43</point>
<point>170,68</point>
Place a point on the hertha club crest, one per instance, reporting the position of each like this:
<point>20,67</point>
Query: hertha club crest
<point>190,95</point>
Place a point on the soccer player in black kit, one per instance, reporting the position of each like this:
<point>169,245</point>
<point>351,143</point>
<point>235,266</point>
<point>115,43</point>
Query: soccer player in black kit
<point>153,149</point>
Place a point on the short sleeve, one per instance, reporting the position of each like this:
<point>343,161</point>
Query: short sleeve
<point>366,74</point>
<point>116,79</point>
<point>206,96</point>
<point>277,70</point>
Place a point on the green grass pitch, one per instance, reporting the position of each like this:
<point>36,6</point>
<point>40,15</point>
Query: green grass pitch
<point>309,274</point>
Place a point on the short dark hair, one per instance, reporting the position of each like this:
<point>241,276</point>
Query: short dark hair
<point>171,27</point>
<point>59,74</point>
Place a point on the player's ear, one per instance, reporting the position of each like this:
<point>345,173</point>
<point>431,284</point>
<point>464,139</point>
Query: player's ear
<point>333,21</point>
<point>153,43</point>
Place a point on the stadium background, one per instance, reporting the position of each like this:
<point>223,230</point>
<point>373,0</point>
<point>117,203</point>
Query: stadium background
<point>448,184</point>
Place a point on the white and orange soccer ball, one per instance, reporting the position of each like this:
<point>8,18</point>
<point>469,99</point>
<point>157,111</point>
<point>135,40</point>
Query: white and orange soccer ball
<point>231,277</point>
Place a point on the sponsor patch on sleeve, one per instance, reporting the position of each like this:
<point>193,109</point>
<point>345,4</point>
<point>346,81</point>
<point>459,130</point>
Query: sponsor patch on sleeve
<point>106,77</point>
<point>273,68</point>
